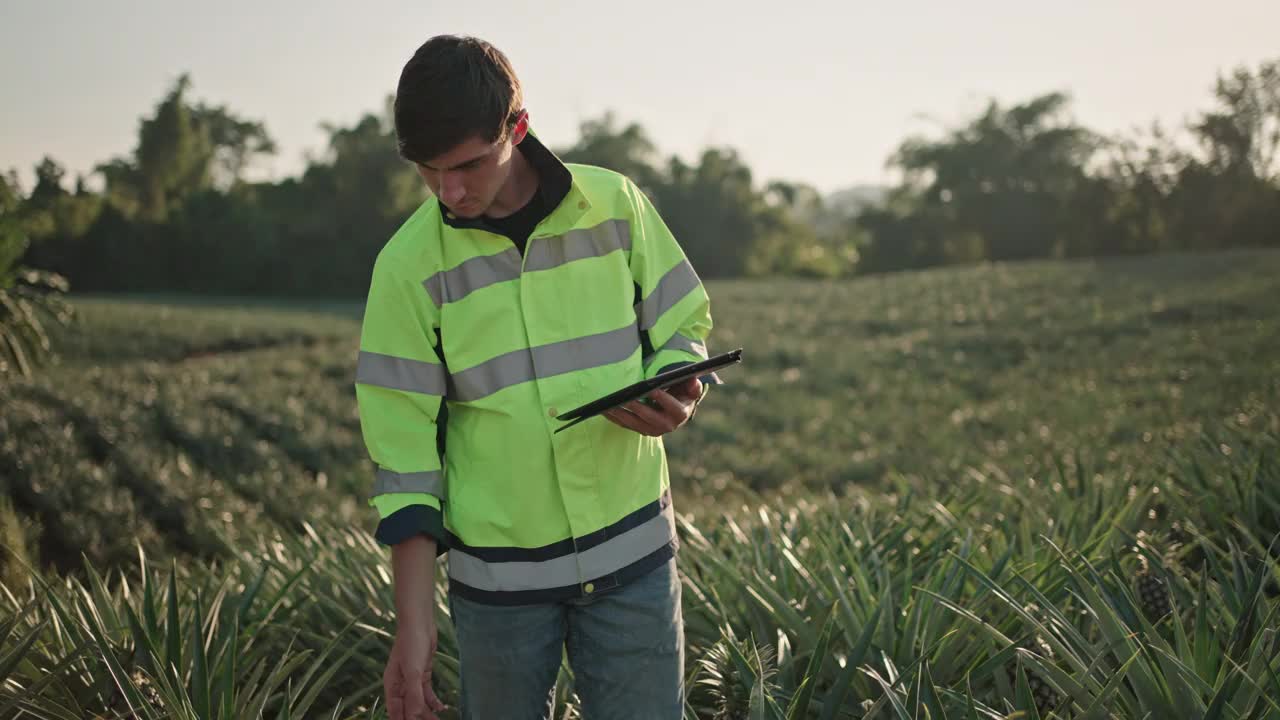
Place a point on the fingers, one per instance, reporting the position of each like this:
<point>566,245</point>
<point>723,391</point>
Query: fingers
<point>653,416</point>
<point>670,414</point>
<point>410,700</point>
<point>429,693</point>
<point>629,420</point>
<point>415,704</point>
<point>675,408</point>
<point>690,389</point>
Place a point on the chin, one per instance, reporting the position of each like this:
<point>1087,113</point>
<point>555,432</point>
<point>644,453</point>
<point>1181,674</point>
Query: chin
<point>470,212</point>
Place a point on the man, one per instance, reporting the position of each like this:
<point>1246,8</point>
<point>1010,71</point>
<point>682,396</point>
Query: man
<point>523,288</point>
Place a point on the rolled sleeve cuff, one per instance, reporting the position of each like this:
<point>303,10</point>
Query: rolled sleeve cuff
<point>409,521</point>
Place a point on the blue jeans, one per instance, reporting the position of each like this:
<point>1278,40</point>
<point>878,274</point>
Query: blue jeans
<point>625,646</point>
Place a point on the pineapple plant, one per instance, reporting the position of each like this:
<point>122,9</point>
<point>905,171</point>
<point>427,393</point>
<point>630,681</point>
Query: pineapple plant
<point>732,669</point>
<point>28,300</point>
<point>1046,698</point>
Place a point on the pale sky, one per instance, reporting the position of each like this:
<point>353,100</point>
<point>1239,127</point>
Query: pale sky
<point>819,92</point>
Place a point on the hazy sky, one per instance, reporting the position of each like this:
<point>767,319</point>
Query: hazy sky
<point>816,92</point>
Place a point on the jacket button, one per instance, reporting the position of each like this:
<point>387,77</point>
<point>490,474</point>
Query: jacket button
<point>589,588</point>
<point>552,413</point>
<point>582,204</point>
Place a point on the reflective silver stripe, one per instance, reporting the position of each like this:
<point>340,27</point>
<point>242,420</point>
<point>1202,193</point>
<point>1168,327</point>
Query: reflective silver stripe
<point>399,373</point>
<point>680,342</point>
<point>449,286</point>
<point>678,282</point>
<point>430,481</point>
<point>608,236</point>
<point>610,555</point>
<point>543,361</point>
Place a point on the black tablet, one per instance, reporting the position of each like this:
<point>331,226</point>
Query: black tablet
<point>644,387</point>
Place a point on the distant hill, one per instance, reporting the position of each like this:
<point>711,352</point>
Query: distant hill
<point>849,201</point>
<point>842,205</point>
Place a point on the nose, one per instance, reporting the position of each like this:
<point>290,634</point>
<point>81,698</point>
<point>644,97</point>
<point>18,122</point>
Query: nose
<point>451,188</point>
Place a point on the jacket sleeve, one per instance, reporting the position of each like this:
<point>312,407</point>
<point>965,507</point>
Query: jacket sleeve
<point>400,388</point>
<point>673,309</point>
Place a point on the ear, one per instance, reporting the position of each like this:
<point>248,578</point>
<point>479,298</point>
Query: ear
<point>521,127</point>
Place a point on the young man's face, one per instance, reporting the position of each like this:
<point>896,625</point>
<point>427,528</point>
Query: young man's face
<point>468,177</point>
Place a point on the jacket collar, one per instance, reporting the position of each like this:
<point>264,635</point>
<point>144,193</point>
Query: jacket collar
<point>555,182</point>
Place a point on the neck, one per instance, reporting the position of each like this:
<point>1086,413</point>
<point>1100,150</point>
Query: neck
<point>521,184</point>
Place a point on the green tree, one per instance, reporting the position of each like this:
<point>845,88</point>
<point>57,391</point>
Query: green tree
<point>331,222</point>
<point>711,208</point>
<point>182,149</point>
<point>800,235</point>
<point>174,154</point>
<point>49,175</point>
<point>10,192</point>
<point>627,150</point>
<point>1009,184</point>
<point>1232,195</point>
<point>903,233</point>
<point>1006,178</point>
<point>236,143</point>
<point>1242,134</point>
<point>1139,176</point>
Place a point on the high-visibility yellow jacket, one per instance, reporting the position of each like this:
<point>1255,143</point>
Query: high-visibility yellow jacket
<point>469,350</point>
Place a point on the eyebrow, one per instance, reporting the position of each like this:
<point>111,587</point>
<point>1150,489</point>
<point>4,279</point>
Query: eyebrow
<point>472,161</point>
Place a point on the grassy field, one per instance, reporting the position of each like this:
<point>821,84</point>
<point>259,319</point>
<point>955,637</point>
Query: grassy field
<point>192,420</point>
<point>921,493</point>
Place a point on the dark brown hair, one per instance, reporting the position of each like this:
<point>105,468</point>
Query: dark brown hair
<point>454,88</point>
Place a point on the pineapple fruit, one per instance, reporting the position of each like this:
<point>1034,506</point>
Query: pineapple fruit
<point>1153,592</point>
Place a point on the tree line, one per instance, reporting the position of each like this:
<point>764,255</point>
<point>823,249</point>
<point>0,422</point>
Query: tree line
<point>1015,182</point>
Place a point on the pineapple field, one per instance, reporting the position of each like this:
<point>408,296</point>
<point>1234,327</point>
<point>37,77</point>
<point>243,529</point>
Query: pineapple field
<point>1036,490</point>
